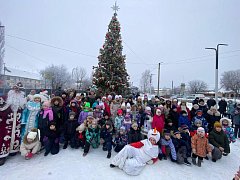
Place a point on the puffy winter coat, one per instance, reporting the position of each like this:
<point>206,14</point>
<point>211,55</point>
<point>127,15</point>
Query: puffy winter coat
<point>201,145</point>
<point>219,139</point>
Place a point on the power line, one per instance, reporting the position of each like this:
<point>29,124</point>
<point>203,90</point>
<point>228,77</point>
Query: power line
<point>27,54</point>
<point>55,47</point>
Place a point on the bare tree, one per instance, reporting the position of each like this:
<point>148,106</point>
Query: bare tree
<point>196,86</point>
<point>78,74</point>
<point>86,83</point>
<point>57,75</point>
<point>231,81</point>
<point>145,81</point>
<point>2,50</point>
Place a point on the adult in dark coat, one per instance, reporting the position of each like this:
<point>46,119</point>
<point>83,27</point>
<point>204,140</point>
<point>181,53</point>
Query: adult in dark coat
<point>211,102</point>
<point>203,107</point>
<point>212,116</point>
<point>220,142</point>
<point>195,101</point>
<point>174,116</point>
<point>222,107</point>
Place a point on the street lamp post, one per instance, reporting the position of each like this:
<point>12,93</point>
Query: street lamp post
<point>158,78</point>
<point>216,70</point>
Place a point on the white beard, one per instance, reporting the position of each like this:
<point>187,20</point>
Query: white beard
<point>16,100</point>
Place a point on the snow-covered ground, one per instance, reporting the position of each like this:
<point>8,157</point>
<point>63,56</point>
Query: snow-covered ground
<point>69,164</point>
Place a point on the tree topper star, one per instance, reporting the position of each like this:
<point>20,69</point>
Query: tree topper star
<point>115,7</point>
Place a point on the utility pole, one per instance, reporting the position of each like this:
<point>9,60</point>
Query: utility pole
<point>159,64</point>
<point>172,87</point>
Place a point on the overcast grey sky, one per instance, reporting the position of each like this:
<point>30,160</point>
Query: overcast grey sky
<point>174,32</point>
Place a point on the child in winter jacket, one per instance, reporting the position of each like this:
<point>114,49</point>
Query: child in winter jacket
<point>134,134</point>
<point>167,148</point>
<point>226,127</point>
<point>146,121</point>
<point>212,116</point>
<point>185,134</point>
<point>121,139</point>
<point>169,127</point>
<point>83,114</point>
<point>119,120</point>
<point>127,121</point>
<point>106,138</point>
<point>92,137</point>
<point>97,113</point>
<point>80,136</point>
<point>180,148</point>
<point>183,119</point>
<point>133,158</point>
<point>158,121</point>
<point>199,116</point>
<point>31,144</point>
<point>200,146</point>
<point>51,139</point>
<point>70,131</point>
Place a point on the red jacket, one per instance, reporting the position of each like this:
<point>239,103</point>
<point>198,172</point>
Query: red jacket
<point>158,123</point>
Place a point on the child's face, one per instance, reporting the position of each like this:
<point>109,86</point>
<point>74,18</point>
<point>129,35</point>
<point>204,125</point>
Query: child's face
<point>107,126</point>
<point>199,114</point>
<point>201,133</point>
<point>121,132</point>
<point>73,104</point>
<point>152,140</point>
<point>135,128</point>
<point>80,132</point>
<point>184,114</point>
<point>178,136</point>
<point>185,130</point>
<point>71,117</point>
<point>225,123</point>
<point>218,129</point>
<point>52,127</point>
<point>170,124</point>
<point>37,99</point>
<point>29,140</point>
<point>214,110</point>
<point>63,95</point>
<point>106,117</point>
<point>167,137</point>
<point>94,125</point>
<point>56,102</point>
<point>175,109</point>
<point>198,124</point>
<point>45,107</point>
<point>120,114</point>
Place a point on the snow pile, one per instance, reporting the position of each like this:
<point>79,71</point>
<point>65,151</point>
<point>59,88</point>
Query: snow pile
<point>70,164</point>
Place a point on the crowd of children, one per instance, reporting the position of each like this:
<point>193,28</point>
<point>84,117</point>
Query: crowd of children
<point>84,121</point>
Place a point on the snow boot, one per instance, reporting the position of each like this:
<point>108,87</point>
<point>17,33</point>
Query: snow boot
<point>194,161</point>
<point>2,161</point>
<point>214,160</point>
<point>186,162</point>
<point>84,154</point>
<point>109,155</point>
<point>112,165</point>
<point>46,153</point>
<point>199,163</point>
<point>65,146</point>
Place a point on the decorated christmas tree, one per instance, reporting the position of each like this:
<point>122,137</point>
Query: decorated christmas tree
<point>110,75</point>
